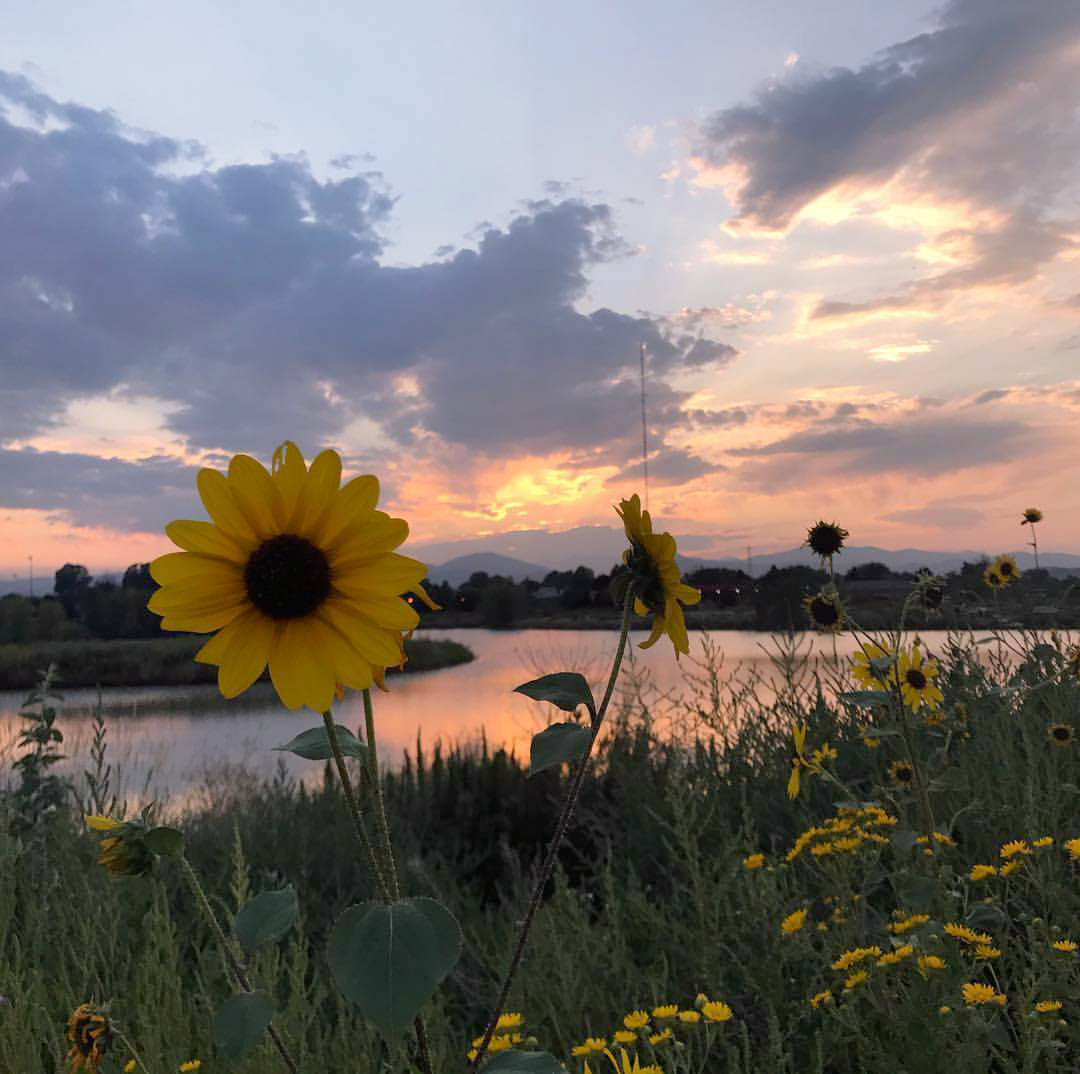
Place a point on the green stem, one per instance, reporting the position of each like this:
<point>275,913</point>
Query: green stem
<point>560,830</point>
<point>122,1037</point>
<point>376,788</point>
<point>354,805</point>
<point>235,965</point>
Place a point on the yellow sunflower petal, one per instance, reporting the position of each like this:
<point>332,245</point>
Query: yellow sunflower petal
<point>658,628</point>
<point>356,498</point>
<point>218,500</point>
<point>251,637</point>
<point>676,626</point>
<point>101,824</point>
<point>200,622</point>
<point>184,599</point>
<point>289,473</point>
<point>350,668</point>
<point>379,646</point>
<point>392,574</point>
<point>359,544</point>
<point>192,567</point>
<point>318,495</point>
<point>385,611</point>
<point>640,607</point>
<point>256,495</point>
<point>299,670</point>
<point>207,539</point>
<point>687,594</point>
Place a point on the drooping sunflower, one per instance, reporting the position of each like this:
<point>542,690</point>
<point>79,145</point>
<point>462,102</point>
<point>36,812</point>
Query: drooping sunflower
<point>872,665</point>
<point>917,675</point>
<point>1060,733</point>
<point>90,1035</point>
<point>294,570</point>
<point>901,773</point>
<point>658,585</point>
<point>825,611</point>
<point>1005,567</point>
<point>123,849</point>
<point>1031,515</point>
<point>826,538</point>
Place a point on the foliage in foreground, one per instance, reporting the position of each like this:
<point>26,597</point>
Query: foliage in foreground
<point>836,949</point>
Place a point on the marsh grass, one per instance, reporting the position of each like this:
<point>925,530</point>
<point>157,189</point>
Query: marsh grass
<point>651,902</point>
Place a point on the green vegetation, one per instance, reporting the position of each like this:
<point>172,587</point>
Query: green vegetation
<point>658,896</point>
<point>161,661</point>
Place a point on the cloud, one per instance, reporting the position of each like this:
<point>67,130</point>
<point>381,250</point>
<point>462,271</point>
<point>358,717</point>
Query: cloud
<point>641,139</point>
<point>253,301</point>
<point>673,467</point>
<point>968,133</point>
<point>939,515</point>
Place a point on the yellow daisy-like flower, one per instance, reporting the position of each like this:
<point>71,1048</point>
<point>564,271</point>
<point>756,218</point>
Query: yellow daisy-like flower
<point>1072,848</point>
<point>1017,846</point>
<point>986,951</point>
<point>793,922</point>
<point>636,1020</point>
<point>1061,734</point>
<point>975,993</point>
<point>190,1066</point>
<point>1048,1006</point>
<point>930,962</point>
<point>906,924</point>
<point>1005,567</point>
<point>503,1042</point>
<point>1045,841</point>
<point>90,1034</point>
<point>508,1020</point>
<point>855,956</point>
<point>917,676</point>
<point>663,1035</point>
<point>1010,867</point>
<point>993,579</point>
<point>716,1011</point>
<point>590,1046</point>
<point>624,1036</point>
<point>665,1010</point>
<point>856,979</point>
<point>1067,947</point>
<point>294,570</point>
<point>819,998</point>
<point>981,872</point>
<point>902,773</point>
<point>659,590</point>
<point>1031,515</point>
<point>689,1016</point>
<point>862,668</point>
<point>961,932</point>
<point>754,861</point>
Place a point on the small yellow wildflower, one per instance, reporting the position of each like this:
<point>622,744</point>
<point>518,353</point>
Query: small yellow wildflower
<point>503,1042</point>
<point>624,1036</point>
<point>636,1020</point>
<point>870,742</point>
<point>659,1038</point>
<point>856,979</point>
<point>819,998</point>
<point>754,861</point>
<point>1065,946</point>
<point>716,1011</point>
<point>961,932</point>
<point>981,872</point>
<point>689,1016</point>
<point>509,1020</point>
<point>986,951</point>
<point>906,924</point>
<point>854,956</point>
<point>129,1066</point>
<point>1048,1006</point>
<point>591,1046</point>
<point>976,993</point>
<point>1045,841</point>
<point>665,1010</point>
<point>190,1066</point>
<point>1010,867</point>
<point>793,922</point>
<point>1017,846</point>
<point>1072,848</point>
<point>931,962</point>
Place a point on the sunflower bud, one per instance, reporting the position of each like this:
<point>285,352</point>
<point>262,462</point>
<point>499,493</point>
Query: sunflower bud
<point>124,851</point>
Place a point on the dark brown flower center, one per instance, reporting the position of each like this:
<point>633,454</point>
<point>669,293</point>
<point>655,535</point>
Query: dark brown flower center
<point>1005,569</point>
<point>915,678</point>
<point>824,612</point>
<point>903,773</point>
<point>287,577</point>
<point>1062,734</point>
<point>826,538</point>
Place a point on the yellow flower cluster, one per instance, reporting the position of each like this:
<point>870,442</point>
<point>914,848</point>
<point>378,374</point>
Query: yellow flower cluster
<point>847,831</point>
<point>754,861</point>
<point>855,956</point>
<point>905,923</point>
<point>891,958</point>
<point>966,935</point>
<point>975,994</point>
<point>503,1039</point>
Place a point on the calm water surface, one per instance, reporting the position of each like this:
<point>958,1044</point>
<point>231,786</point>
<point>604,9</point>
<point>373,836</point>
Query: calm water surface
<point>168,740</point>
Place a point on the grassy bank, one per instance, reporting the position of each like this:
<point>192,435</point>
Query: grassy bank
<point>657,898</point>
<point>159,661</point>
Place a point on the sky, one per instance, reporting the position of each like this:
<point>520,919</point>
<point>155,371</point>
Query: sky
<point>434,236</point>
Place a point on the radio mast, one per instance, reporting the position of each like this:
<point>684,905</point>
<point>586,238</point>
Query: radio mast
<point>644,432</point>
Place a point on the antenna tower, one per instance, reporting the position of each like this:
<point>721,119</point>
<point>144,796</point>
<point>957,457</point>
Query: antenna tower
<point>644,433</point>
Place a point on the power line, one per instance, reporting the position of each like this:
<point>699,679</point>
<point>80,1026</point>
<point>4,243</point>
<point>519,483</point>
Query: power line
<point>644,433</point>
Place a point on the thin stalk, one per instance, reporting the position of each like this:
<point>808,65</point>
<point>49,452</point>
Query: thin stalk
<point>123,1039</point>
<point>376,788</point>
<point>234,963</point>
<point>560,831</point>
<point>354,805</point>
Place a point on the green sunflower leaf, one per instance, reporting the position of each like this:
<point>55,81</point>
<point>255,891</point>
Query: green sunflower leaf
<point>240,1023</point>
<point>314,745</point>
<point>558,743</point>
<point>515,1062</point>
<point>567,689</point>
<point>167,842</point>
<point>389,959</point>
<point>266,918</point>
<point>864,698</point>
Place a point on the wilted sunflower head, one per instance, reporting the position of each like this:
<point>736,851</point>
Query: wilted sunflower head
<point>825,610</point>
<point>1060,733</point>
<point>901,773</point>
<point>123,848</point>
<point>295,571</point>
<point>90,1035</point>
<point>826,538</point>
<point>1032,515</point>
<point>930,589</point>
<point>1005,566</point>
<point>655,577</point>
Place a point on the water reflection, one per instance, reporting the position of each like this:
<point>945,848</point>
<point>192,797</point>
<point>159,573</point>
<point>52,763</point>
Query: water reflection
<point>163,741</point>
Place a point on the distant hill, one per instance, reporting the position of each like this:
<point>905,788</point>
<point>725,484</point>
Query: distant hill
<point>455,571</point>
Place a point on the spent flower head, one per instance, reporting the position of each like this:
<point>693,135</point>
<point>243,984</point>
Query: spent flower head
<point>825,539</point>
<point>90,1034</point>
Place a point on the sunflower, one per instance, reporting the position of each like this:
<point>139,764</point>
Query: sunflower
<point>90,1034</point>
<point>993,579</point>
<point>1060,733</point>
<point>658,588</point>
<point>799,761</point>
<point>825,610</point>
<point>902,773</point>
<point>867,665</point>
<point>1005,567</point>
<point>295,571</point>
<point>1032,515</point>
<point>917,677</point>
<point>123,849</point>
<point>826,538</point>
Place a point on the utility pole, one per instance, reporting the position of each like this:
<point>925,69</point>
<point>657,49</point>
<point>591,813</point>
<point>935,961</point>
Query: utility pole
<point>644,436</point>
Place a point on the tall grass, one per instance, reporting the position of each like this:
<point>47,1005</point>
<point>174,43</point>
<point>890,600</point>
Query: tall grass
<point>652,901</point>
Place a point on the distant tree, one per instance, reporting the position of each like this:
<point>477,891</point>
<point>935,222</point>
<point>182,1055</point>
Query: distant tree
<point>137,576</point>
<point>70,583</point>
<point>501,603</point>
<point>869,572</point>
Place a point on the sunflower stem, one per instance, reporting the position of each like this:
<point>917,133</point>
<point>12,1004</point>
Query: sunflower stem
<point>243,981</point>
<point>560,830</point>
<point>354,805</point>
<point>122,1037</point>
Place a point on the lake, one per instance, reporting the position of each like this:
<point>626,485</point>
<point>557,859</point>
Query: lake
<point>166,740</point>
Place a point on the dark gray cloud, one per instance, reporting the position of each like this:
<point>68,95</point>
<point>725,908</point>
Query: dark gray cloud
<point>939,514</point>
<point>666,468</point>
<point>254,298</point>
<point>980,110</point>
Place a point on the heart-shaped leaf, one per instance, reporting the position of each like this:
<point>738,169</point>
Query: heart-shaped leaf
<point>388,959</point>
<point>567,689</point>
<point>167,842</point>
<point>240,1023</point>
<point>559,742</point>
<point>314,745</point>
<point>515,1062</point>
<point>266,918</point>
